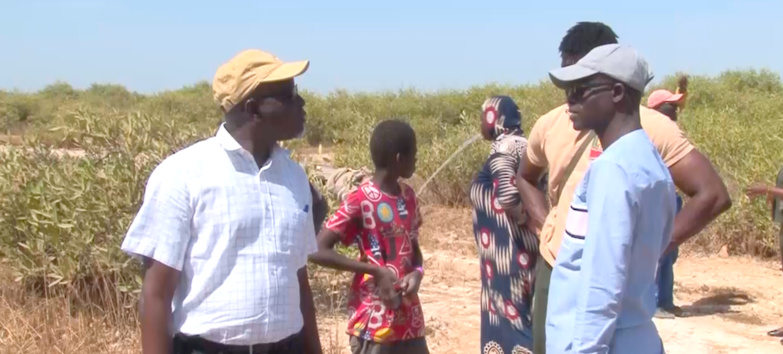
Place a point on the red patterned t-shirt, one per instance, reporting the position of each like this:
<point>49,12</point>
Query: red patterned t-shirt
<point>384,228</point>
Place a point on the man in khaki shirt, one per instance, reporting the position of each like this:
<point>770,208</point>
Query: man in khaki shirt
<point>555,146</point>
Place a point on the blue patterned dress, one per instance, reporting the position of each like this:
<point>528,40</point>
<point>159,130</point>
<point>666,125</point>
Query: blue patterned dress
<point>507,250</point>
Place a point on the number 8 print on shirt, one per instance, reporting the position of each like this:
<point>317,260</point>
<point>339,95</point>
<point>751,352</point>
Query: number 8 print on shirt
<point>383,227</point>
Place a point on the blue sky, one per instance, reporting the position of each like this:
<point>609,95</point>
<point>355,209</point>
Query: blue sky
<point>150,46</point>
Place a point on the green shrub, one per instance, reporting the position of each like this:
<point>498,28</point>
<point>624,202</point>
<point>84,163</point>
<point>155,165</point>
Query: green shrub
<point>64,218</point>
<point>18,108</point>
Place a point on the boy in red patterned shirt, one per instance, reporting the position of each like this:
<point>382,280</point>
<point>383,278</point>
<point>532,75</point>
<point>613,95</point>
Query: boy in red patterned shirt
<point>382,219</point>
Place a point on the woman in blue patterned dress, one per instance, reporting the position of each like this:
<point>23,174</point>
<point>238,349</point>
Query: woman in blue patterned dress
<point>507,250</point>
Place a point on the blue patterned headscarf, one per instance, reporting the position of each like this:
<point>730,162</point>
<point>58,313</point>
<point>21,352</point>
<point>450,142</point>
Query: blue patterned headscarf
<point>499,115</point>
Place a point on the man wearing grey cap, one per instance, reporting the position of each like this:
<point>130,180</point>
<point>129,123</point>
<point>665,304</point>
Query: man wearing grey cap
<point>602,290</point>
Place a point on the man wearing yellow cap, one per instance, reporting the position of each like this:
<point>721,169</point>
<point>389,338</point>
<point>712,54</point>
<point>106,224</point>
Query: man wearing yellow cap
<point>226,226</point>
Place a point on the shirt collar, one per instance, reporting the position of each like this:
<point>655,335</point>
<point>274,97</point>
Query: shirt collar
<point>226,140</point>
<point>228,143</point>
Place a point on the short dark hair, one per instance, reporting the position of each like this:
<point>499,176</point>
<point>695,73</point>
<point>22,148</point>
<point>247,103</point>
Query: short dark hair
<point>389,138</point>
<point>584,36</point>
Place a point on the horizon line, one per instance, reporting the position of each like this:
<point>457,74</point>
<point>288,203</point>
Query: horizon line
<point>543,81</point>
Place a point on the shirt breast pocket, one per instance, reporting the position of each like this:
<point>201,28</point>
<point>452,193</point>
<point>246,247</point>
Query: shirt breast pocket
<point>290,233</point>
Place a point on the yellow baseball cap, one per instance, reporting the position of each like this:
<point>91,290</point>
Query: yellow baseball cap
<point>236,79</point>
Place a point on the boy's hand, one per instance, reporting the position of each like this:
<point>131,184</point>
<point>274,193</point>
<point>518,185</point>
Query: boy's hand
<point>411,282</point>
<point>384,283</point>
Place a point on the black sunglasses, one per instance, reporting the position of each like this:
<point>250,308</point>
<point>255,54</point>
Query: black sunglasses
<point>285,95</point>
<point>580,92</point>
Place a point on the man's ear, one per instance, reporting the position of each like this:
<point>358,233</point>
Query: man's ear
<point>398,157</point>
<point>618,93</point>
<point>251,108</point>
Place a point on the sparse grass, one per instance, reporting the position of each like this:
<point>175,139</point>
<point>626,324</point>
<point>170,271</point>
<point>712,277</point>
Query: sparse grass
<point>330,296</point>
<point>31,323</point>
<point>43,322</point>
<point>38,325</point>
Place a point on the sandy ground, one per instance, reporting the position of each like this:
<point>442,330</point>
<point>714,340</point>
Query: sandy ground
<point>730,303</point>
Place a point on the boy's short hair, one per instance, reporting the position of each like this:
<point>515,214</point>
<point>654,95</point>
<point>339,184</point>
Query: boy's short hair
<point>389,138</point>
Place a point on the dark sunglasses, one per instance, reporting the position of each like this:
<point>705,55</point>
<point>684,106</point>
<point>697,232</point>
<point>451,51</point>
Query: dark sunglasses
<point>285,95</point>
<point>580,92</point>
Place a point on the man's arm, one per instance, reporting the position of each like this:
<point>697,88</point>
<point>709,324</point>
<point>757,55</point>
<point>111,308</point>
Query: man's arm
<point>692,173</point>
<point>320,208</point>
<point>157,290</point>
<point>695,176</point>
<point>532,164</point>
<point>682,88</point>
<point>760,189</point>
<point>770,192</point>
<point>607,250</point>
<point>160,235</point>
<point>533,200</point>
<point>312,341</point>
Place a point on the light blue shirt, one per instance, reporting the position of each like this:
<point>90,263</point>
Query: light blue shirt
<point>602,290</point>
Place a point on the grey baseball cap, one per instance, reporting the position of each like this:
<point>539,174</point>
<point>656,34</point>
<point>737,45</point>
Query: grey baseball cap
<point>619,62</point>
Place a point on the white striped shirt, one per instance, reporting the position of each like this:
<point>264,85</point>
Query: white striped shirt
<point>238,234</point>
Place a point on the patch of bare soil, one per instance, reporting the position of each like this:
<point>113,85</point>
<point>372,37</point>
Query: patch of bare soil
<point>729,303</point>
<point>8,142</point>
